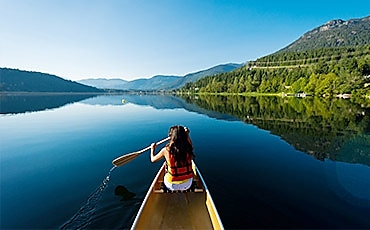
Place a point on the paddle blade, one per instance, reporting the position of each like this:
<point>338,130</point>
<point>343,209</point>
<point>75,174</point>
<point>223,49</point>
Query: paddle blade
<point>125,159</point>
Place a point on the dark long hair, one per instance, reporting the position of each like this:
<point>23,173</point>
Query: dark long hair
<point>179,145</point>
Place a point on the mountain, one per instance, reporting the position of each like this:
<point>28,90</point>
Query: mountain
<point>353,32</point>
<point>156,82</point>
<point>104,83</point>
<point>159,82</point>
<point>332,60</point>
<point>193,77</point>
<point>14,80</point>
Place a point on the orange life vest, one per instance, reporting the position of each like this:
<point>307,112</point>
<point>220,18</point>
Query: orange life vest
<point>179,173</point>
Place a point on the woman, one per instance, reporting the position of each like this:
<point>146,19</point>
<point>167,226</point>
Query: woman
<point>178,154</point>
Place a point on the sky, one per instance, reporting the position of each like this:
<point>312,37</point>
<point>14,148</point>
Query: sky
<point>132,39</point>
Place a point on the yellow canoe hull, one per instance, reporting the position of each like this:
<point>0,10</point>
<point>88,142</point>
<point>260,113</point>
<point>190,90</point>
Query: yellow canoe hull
<point>184,210</point>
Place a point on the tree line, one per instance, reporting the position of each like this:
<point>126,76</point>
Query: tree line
<point>14,80</point>
<point>323,71</point>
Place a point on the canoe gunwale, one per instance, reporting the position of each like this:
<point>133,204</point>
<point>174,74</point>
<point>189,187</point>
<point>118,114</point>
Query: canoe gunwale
<point>147,197</point>
<point>202,198</point>
<point>215,217</point>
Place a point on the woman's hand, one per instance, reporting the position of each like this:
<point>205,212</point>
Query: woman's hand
<point>152,146</point>
<point>158,156</point>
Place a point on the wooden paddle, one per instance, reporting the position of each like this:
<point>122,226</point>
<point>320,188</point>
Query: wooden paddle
<point>119,161</point>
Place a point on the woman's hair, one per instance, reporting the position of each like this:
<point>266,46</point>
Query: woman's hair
<point>179,145</point>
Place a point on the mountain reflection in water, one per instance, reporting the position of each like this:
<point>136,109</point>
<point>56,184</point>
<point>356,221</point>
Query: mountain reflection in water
<point>32,102</point>
<point>66,152</point>
<point>334,129</point>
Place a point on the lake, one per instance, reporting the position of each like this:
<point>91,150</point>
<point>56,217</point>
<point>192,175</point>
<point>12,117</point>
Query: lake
<point>269,162</point>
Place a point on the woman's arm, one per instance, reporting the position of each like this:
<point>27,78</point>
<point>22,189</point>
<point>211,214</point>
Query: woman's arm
<point>158,156</point>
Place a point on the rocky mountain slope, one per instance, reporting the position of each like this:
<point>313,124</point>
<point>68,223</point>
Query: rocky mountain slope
<point>353,32</point>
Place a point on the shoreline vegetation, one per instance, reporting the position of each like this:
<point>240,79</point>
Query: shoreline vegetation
<point>364,101</point>
<point>172,92</point>
<point>330,73</point>
<point>342,72</point>
<point>253,94</point>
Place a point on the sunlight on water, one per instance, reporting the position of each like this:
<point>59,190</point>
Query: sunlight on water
<point>348,182</point>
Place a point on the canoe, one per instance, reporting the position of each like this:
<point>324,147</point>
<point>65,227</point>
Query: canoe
<point>181,210</point>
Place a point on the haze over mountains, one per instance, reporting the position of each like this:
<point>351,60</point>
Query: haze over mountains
<point>158,82</point>
<point>335,33</point>
<point>14,80</point>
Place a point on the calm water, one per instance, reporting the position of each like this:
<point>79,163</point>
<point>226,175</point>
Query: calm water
<point>56,169</point>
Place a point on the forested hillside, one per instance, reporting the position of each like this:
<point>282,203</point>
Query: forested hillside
<point>325,71</point>
<point>312,65</point>
<point>13,80</point>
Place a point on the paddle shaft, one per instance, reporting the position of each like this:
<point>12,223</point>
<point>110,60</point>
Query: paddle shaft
<point>158,143</point>
<point>119,161</point>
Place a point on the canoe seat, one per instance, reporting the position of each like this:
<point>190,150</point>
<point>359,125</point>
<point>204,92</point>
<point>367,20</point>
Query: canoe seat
<point>164,189</point>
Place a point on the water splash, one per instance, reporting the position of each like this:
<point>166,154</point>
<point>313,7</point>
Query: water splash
<point>84,215</point>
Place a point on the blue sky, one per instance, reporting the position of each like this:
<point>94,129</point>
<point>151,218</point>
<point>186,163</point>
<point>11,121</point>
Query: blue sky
<point>130,39</point>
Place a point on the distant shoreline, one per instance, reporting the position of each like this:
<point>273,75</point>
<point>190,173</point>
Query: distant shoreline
<point>10,93</point>
<point>24,93</point>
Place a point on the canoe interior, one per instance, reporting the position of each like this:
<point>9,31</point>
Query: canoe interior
<point>184,210</point>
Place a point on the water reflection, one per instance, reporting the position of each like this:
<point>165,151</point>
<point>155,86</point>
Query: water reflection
<point>14,104</point>
<point>158,102</point>
<point>22,103</point>
<point>66,153</point>
<point>326,129</point>
<point>334,129</point>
